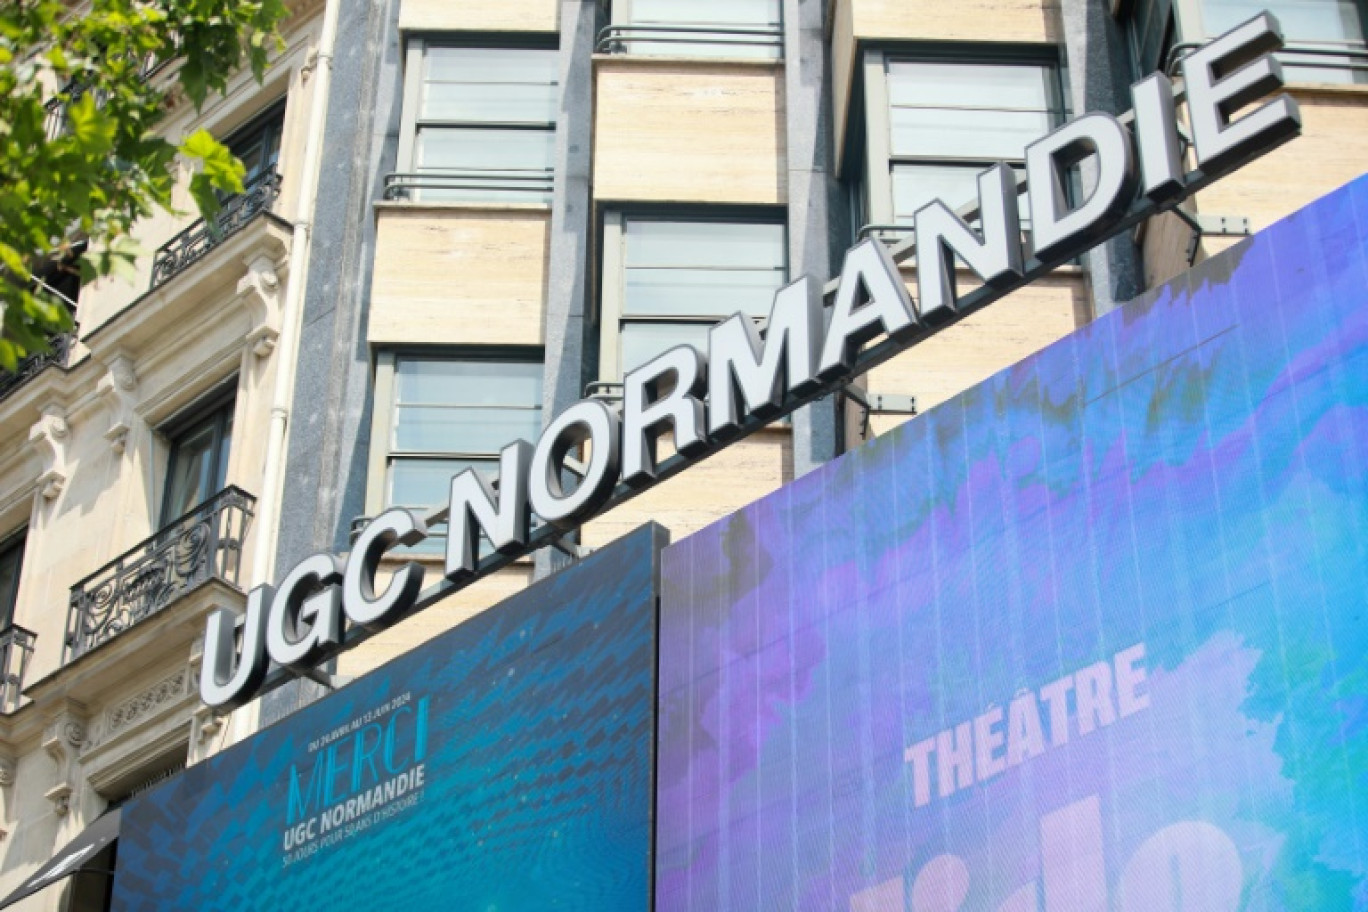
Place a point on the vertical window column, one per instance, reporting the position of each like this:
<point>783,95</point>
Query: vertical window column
<point>698,28</point>
<point>479,124</point>
<point>439,415</point>
<point>935,125</point>
<point>666,281</point>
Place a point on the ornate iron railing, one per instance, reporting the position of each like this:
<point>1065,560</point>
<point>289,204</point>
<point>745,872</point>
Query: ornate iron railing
<point>16,648</point>
<point>192,244</point>
<point>204,544</point>
<point>37,362</point>
<point>57,121</point>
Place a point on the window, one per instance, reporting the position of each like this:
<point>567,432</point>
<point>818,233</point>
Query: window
<point>666,281</point>
<point>1325,38</point>
<point>479,124</point>
<point>699,28</point>
<point>1314,29</point>
<point>257,144</point>
<point>441,415</point>
<point>198,465</point>
<point>11,563</point>
<point>934,125</point>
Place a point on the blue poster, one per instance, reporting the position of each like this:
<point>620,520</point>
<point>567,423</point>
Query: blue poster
<point>504,765</point>
<point>1090,637</point>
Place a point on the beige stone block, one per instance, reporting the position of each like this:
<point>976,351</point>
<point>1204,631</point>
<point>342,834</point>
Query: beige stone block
<point>459,275</point>
<point>689,131</point>
<point>707,491</point>
<point>1328,154</point>
<point>472,16</point>
<point>436,620</point>
<point>983,344</point>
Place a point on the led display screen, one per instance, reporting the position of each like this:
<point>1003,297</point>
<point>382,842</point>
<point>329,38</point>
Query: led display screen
<point>1089,637</point>
<point>504,765</point>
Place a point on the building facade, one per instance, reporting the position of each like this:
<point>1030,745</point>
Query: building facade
<point>465,216</point>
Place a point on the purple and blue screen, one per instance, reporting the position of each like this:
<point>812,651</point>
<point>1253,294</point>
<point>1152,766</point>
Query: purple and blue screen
<point>1091,636</point>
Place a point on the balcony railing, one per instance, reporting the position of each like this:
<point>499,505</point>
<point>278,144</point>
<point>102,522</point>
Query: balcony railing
<point>57,120</point>
<point>530,185</point>
<point>36,363</point>
<point>693,40</point>
<point>204,544</point>
<point>192,244</point>
<point>16,648</point>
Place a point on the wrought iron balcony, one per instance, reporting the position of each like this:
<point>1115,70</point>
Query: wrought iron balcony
<point>192,244</point>
<point>16,648</point>
<point>204,544</point>
<point>36,363</point>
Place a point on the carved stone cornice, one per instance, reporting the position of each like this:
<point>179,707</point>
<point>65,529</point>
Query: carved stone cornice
<point>119,387</point>
<point>49,438</point>
<point>63,736</point>
<point>259,289</point>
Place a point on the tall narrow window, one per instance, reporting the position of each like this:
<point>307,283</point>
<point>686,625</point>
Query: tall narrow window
<point>1325,39</point>
<point>949,121</point>
<point>479,124</point>
<point>666,281</point>
<point>1318,32</point>
<point>699,28</point>
<point>438,416</point>
<point>257,144</point>
<point>198,465</point>
<point>11,562</point>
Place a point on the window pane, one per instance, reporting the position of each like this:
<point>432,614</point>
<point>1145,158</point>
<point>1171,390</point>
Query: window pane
<point>442,382</point>
<point>191,472</point>
<point>493,85</point>
<point>949,133</point>
<point>462,407</point>
<point>963,85</point>
<point>643,341</point>
<point>661,243</point>
<point>491,65</point>
<point>697,292</point>
<point>1302,20</point>
<point>11,559</point>
<point>489,103</point>
<point>916,185</point>
<point>435,429</point>
<point>740,13</point>
<point>444,148</point>
<point>424,483</point>
<point>703,14</point>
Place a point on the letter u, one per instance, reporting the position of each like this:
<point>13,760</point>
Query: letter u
<point>221,685</point>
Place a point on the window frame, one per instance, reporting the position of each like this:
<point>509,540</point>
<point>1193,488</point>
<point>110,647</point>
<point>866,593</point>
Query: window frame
<point>410,123</point>
<point>218,408</point>
<point>613,273</point>
<point>1189,27</point>
<point>268,122</point>
<point>879,160</point>
<point>15,543</point>
<point>384,414</point>
<point>620,16</point>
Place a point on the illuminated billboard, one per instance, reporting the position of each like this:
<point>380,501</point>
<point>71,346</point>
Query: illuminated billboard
<point>505,764</point>
<point>1092,636</point>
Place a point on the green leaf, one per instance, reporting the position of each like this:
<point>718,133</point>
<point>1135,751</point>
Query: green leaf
<point>91,128</point>
<point>14,262</point>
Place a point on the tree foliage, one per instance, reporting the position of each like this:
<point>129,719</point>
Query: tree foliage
<point>82,90</point>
